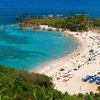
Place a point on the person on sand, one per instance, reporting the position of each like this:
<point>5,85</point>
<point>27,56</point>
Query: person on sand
<point>79,65</point>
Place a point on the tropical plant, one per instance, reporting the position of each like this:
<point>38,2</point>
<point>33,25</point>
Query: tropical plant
<point>21,85</point>
<point>77,23</point>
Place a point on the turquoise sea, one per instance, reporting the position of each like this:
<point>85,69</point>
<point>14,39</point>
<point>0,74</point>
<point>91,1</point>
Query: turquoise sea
<point>28,49</point>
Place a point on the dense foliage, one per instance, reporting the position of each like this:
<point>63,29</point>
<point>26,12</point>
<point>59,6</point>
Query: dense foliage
<point>74,23</point>
<point>77,23</point>
<point>21,85</point>
<point>54,22</point>
<point>96,22</point>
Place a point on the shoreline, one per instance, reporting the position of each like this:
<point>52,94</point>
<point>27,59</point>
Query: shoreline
<point>79,59</point>
<point>74,64</point>
<point>46,67</point>
<point>43,69</point>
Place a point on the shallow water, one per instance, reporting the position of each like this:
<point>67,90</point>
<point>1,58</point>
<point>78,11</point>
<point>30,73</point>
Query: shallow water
<point>27,49</point>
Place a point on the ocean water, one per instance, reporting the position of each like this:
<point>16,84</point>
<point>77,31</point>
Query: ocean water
<point>27,49</point>
<point>10,9</point>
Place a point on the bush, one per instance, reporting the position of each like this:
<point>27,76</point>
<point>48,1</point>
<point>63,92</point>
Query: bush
<point>77,23</point>
<point>96,22</point>
<point>21,85</point>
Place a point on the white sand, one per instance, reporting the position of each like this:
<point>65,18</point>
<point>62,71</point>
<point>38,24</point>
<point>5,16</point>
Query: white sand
<point>88,40</point>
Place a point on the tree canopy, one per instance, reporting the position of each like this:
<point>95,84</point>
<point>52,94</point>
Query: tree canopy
<point>22,85</point>
<point>74,23</point>
<point>77,23</point>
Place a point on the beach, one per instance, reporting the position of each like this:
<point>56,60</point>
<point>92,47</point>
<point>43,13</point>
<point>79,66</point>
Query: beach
<point>49,50</point>
<point>67,72</point>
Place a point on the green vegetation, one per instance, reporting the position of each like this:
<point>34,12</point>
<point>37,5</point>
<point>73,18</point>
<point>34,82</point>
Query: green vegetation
<point>74,23</point>
<point>77,23</point>
<point>54,22</point>
<point>21,85</point>
<point>96,23</point>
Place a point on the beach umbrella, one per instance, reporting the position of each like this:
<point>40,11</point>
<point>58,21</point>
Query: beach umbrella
<point>91,50</point>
